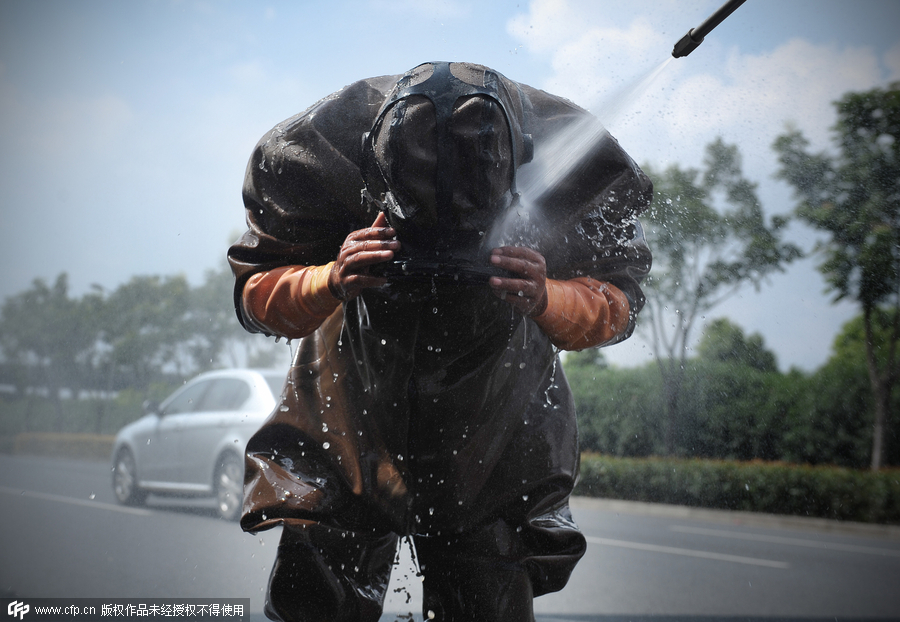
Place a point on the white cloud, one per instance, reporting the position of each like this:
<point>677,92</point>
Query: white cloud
<point>550,24</point>
<point>555,23</point>
<point>747,98</point>
<point>591,64</point>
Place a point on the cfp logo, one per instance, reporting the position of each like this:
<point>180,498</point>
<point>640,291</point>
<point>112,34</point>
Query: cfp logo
<point>17,609</point>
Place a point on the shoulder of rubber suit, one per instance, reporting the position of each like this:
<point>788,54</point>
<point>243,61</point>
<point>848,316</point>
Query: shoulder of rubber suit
<point>322,146</point>
<point>337,121</point>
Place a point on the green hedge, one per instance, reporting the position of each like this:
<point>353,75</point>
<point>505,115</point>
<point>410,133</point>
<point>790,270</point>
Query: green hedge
<point>33,413</point>
<point>75,446</point>
<point>771,487</point>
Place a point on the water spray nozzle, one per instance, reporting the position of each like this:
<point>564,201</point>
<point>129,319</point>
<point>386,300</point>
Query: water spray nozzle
<point>694,37</point>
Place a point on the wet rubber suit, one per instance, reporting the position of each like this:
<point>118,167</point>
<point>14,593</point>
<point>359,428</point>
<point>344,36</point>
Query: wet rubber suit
<point>428,407</point>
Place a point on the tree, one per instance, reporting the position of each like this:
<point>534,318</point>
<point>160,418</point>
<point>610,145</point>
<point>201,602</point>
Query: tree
<point>709,238</point>
<point>833,417</point>
<point>734,402</point>
<point>854,196</point>
<point>591,360</point>
<point>217,338</point>
<point>143,336</point>
<point>618,410</point>
<point>830,422</point>
<point>732,397</point>
<point>725,342</point>
<point>144,328</point>
<point>45,334</point>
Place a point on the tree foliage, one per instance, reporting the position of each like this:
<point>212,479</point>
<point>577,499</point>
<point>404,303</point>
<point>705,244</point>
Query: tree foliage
<point>725,342</point>
<point>710,238</point>
<point>147,331</point>
<point>854,197</point>
<point>45,337</point>
<point>832,422</point>
<point>736,404</point>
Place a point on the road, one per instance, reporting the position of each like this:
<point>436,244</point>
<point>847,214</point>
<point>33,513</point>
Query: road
<point>64,536</point>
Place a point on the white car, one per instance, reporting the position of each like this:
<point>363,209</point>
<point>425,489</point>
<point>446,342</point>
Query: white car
<point>193,443</point>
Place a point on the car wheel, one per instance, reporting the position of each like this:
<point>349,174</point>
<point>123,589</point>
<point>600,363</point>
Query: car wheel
<point>229,487</point>
<point>124,480</point>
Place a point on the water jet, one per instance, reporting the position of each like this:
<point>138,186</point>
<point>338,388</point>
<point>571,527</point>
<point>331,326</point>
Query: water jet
<point>555,160</point>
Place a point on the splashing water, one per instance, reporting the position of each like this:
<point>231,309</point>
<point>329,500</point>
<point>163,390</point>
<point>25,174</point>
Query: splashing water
<point>569,147</point>
<point>625,98</point>
<point>559,156</point>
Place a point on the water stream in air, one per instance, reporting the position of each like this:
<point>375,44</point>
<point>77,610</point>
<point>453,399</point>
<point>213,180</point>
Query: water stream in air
<point>556,158</point>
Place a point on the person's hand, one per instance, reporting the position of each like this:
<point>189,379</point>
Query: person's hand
<point>361,250</point>
<point>528,292</point>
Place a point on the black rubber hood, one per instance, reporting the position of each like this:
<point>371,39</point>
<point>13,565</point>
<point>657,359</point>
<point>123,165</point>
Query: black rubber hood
<point>440,161</point>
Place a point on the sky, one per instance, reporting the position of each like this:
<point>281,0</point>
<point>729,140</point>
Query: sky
<point>126,127</point>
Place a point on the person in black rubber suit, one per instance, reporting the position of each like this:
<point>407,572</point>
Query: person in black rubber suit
<point>426,398</point>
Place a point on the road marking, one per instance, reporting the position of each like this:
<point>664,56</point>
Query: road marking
<point>73,501</point>
<point>815,544</point>
<point>653,548</point>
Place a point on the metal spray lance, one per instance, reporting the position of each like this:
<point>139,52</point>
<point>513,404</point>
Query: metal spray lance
<point>694,37</point>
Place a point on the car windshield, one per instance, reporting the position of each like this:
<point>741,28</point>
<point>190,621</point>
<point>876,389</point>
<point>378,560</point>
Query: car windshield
<point>226,394</point>
<point>739,453</point>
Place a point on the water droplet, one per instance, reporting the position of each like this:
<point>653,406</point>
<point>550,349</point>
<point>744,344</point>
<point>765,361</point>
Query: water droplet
<point>92,496</point>
<point>326,445</point>
<point>521,365</point>
<point>430,614</point>
<point>324,427</point>
<point>383,342</point>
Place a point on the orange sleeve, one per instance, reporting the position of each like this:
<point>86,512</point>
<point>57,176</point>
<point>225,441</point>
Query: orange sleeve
<point>292,301</point>
<point>582,313</point>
